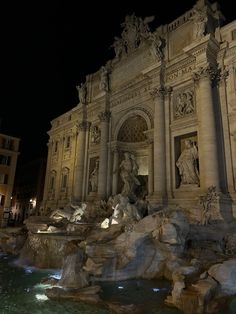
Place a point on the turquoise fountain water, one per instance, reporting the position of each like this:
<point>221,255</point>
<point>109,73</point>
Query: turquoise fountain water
<point>22,293</point>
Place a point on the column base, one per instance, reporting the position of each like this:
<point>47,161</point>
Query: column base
<point>157,200</point>
<point>92,196</point>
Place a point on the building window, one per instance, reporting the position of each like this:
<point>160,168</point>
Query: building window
<point>55,146</point>
<point>2,176</point>
<point>234,34</point>
<point>7,143</point>
<point>52,182</point>
<point>68,142</point>
<point>64,181</point>
<point>2,199</point>
<point>64,178</point>
<point>5,160</point>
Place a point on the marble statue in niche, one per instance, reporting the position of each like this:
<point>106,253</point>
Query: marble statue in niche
<point>187,164</point>
<point>93,178</point>
<point>128,173</point>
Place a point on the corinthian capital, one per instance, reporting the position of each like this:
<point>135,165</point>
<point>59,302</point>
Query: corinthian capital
<point>224,73</point>
<point>158,92</point>
<point>84,126</point>
<point>205,72</point>
<point>104,116</point>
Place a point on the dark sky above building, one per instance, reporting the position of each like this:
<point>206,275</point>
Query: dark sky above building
<point>48,47</point>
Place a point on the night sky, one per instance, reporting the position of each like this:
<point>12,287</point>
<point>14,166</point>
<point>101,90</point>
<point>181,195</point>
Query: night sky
<point>48,47</point>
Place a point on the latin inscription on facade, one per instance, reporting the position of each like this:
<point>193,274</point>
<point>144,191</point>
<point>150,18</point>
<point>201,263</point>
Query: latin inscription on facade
<point>179,73</point>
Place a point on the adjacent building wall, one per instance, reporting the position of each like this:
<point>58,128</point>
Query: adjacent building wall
<point>9,151</point>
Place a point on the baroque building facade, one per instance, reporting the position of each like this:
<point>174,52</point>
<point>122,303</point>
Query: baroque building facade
<point>168,98</point>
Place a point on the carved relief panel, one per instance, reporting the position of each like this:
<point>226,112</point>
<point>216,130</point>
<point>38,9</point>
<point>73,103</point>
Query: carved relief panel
<point>95,135</point>
<point>184,103</point>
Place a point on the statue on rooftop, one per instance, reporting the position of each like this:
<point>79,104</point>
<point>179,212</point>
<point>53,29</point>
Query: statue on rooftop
<point>200,20</point>
<point>104,79</point>
<point>82,91</point>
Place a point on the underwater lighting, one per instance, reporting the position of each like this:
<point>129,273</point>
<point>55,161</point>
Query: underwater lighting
<point>28,270</point>
<point>41,297</point>
<point>56,276</point>
<point>156,289</point>
<point>42,286</point>
<point>120,287</point>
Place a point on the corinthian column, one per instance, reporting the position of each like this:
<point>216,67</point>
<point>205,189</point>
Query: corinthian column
<point>102,176</point>
<point>150,167</point>
<point>208,155</point>
<point>159,145</point>
<point>80,156</point>
<point>115,171</point>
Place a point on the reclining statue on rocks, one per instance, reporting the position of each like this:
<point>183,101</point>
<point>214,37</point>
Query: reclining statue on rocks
<point>73,214</point>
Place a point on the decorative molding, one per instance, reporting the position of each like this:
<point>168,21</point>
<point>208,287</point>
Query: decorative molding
<point>158,92</point>
<point>104,116</point>
<point>84,126</point>
<point>223,73</point>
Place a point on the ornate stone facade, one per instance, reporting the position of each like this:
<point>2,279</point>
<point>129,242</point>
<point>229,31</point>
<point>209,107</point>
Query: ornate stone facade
<point>162,89</point>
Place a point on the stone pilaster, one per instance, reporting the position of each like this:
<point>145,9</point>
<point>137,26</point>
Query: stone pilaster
<point>115,172</point>
<point>150,168</point>
<point>149,141</point>
<point>102,176</point>
<point>48,170</point>
<point>208,155</point>
<point>80,158</point>
<point>159,145</point>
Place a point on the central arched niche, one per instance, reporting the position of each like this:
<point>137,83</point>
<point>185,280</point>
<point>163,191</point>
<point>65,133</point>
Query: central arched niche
<point>132,130</point>
<point>132,136</point>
